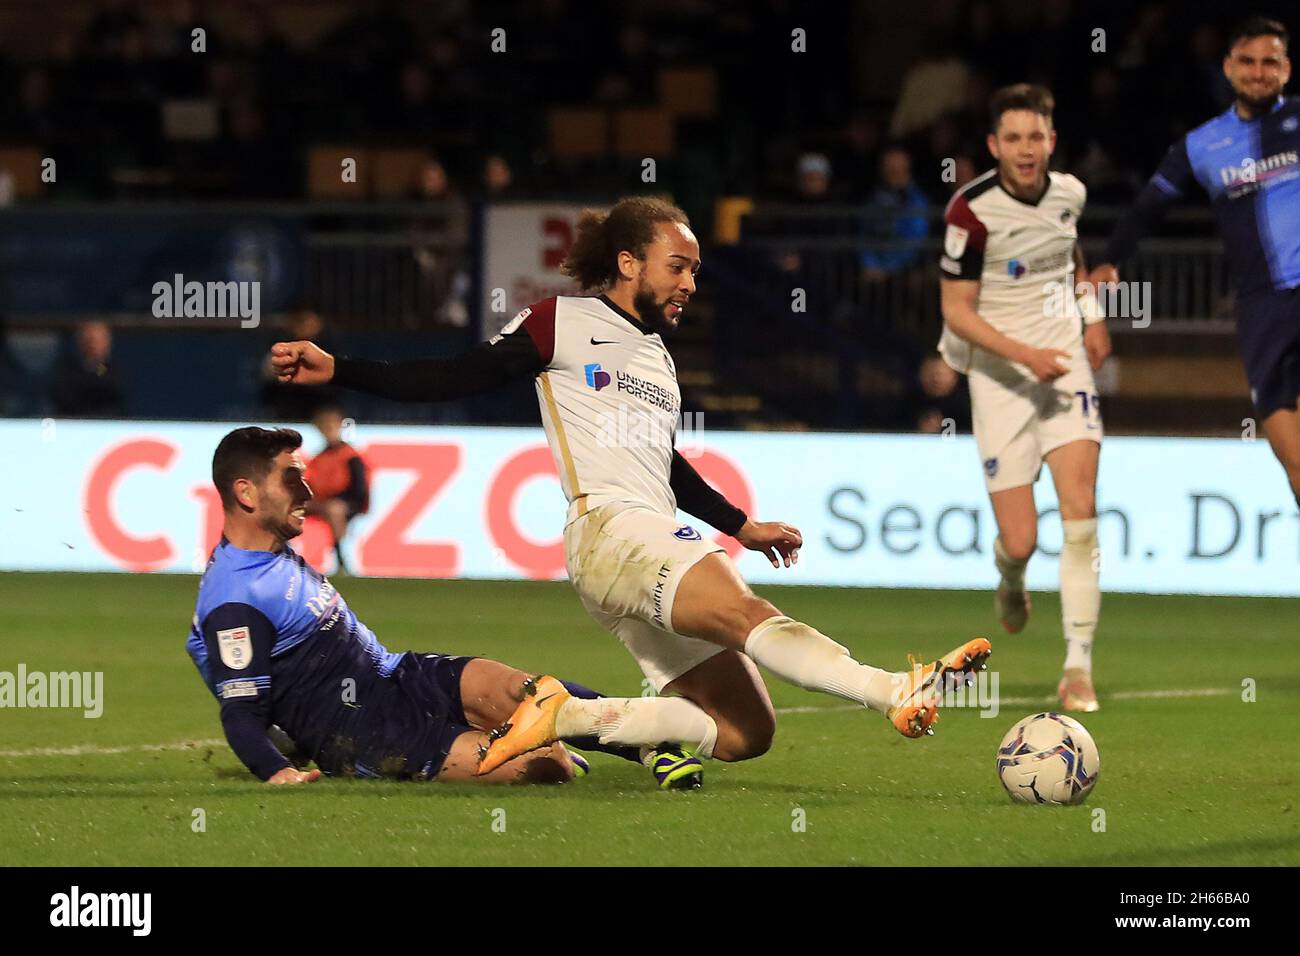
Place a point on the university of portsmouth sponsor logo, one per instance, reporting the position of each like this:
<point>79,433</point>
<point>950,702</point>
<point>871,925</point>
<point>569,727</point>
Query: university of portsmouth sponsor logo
<point>647,391</point>
<point>597,377</point>
<point>131,910</point>
<point>686,533</point>
<point>1015,268</point>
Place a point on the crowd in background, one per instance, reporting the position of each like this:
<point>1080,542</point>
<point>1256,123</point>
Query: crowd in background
<point>884,109</point>
<point>426,75</point>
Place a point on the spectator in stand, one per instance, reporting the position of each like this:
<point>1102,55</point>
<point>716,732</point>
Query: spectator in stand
<point>897,213</point>
<point>442,286</point>
<point>857,154</point>
<point>498,178</point>
<point>15,382</point>
<point>939,402</point>
<point>338,479</point>
<point>963,171</point>
<point>85,385</point>
<point>812,189</point>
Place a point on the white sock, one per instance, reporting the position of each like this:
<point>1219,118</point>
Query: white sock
<point>809,659</point>
<point>639,721</point>
<point>1012,571</point>
<point>1080,590</point>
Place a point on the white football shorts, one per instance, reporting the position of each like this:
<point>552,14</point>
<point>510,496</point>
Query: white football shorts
<point>1019,420</point>
<point>626,560</point>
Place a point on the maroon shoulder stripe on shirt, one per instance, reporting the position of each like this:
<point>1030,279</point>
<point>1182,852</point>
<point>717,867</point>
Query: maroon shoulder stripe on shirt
<point>959,213</point>
<point>540,325</point>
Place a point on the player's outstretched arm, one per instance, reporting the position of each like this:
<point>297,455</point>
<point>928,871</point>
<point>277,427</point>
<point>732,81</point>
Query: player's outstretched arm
<point>509,358</point>
<point>239,639</point>
<point>1171,182</point>
<point>777,541</point>
<point>958,298</point>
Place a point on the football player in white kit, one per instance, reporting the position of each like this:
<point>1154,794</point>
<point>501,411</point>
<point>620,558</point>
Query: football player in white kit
<point>610,405</point>
<point>1011,268</point>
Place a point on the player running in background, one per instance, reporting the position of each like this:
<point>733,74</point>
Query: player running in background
<point>610,405</point>
<point>1248,160</point>
<point>277,645</point>
<point>1011,265</point>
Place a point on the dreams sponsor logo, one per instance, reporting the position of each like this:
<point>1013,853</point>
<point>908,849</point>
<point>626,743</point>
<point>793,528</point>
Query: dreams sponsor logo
<point>1246,177</point>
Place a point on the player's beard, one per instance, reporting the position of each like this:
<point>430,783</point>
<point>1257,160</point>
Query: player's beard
<point>651,311</point>
<point>1258,104</point>
<point>284,529</point>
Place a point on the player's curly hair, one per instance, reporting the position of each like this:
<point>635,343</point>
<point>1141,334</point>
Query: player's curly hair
<point>1020,96</point>
<point>248,453</point>
<point>602,234</point>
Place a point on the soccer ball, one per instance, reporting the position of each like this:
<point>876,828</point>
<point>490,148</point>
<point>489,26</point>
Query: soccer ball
<point>1048,758</point>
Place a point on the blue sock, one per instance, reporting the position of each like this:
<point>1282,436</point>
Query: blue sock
<point>593,743</point>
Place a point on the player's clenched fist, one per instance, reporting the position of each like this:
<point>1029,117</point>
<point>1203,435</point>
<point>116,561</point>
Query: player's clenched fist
<point>290,775</point>
<point>1047,364</point>
<point>301,363</point>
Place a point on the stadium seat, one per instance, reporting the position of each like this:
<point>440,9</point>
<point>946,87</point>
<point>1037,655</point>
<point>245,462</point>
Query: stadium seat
<point>578,133</point>
<point>640,131</point>
<point>689,92</point>
<point>324,172</point>
<point>23,163</point>
<point>396,172</point>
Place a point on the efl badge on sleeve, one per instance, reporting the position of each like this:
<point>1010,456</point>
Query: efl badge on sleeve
<point>236,646</point>
<point>954,241</point>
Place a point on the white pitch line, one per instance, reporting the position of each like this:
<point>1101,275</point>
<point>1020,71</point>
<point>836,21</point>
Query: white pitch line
<point>91,750</point>
<point>1049,699</point>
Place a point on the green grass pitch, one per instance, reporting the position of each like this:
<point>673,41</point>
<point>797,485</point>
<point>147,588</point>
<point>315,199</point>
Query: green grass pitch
<point>1204,779</point>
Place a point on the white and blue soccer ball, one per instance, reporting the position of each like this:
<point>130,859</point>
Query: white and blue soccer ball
<point>1048,758</point>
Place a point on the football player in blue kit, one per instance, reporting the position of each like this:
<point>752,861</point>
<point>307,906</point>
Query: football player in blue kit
<point>1247,159</point>
<point>279,647</point>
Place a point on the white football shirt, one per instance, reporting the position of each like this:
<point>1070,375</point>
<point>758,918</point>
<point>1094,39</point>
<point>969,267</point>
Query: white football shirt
<point>609,399</point>
<point>1023,256</point>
